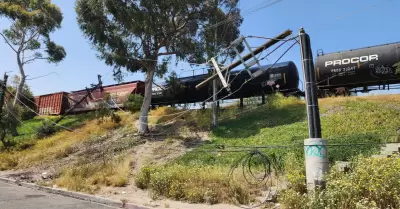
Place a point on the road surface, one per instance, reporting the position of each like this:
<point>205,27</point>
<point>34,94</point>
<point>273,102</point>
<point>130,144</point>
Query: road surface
<point>15,197</point>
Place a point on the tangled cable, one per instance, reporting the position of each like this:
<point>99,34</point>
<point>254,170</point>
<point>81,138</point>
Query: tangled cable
<point>249,163</point>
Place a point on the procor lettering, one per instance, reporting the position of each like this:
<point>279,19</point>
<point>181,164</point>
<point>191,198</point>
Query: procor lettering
<point>353,60</point>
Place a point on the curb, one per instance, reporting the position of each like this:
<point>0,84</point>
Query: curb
<point>76,195</point>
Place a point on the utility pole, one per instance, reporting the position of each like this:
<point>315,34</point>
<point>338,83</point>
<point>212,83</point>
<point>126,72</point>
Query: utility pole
<point>89,91</point>
<point>315,148</point>
<point>3,93</point>
<point>248,56</point>
<point>215,107</point>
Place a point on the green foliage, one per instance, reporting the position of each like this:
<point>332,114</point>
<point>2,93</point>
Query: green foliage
<point>103,111</point>
<point>8,124</point>
<point>282,121</point>
<point>28,130</point>
<point>173,85</point>
<point>32,22</point>
<point>172,24</point>
<point>47,129</point>
<point>371,183</point>
<point>131,35</point>
<point>24,112</point>
<point>133,103</point>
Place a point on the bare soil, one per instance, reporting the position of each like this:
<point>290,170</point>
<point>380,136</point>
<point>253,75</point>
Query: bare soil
<point>159,148</point>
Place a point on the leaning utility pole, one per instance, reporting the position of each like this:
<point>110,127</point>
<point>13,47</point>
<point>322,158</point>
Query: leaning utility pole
<point>315,148</point>
<point>248,56</point>
<point>3,93</point>
<point>214,84</point>
<point>88,94</point>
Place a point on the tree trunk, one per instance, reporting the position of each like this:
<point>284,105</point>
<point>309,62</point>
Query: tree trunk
<point>144,111</point>
<point>20,87</point>
<point>22,81</point>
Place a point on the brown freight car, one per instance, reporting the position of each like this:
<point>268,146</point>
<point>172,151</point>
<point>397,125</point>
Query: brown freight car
<point>118,94</point>
<point>52,104</point>
<point>59,103</point>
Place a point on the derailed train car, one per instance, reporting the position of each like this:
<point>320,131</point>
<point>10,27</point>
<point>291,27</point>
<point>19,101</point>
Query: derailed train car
<point>282,77</point>
<point>369,66</point>
<point>117,95</point>
<point>59,103</point>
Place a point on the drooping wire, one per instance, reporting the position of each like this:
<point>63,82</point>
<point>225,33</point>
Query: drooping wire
<point>260,74</point>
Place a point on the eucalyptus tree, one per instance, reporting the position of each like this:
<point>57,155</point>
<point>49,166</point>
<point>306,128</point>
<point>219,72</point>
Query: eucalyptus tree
<point>31,23</point>
<point>143,35</point>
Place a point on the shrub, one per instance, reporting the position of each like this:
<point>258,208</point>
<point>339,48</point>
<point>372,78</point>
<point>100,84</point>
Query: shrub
<point>133,103</point>
<point>142,179</point>
<point>8,161</point>
<point>372,183</point>
<point>25,113</point>
<point>26,144</point>
<point>104,112</point>
<point>195,184</point>
<point>47,129</point>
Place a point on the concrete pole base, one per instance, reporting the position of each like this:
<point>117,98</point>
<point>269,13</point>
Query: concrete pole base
<point>317,163</point>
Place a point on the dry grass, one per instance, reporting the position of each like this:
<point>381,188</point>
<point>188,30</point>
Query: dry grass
<point>376,98</point>
<point>163,114</point>
<point>57,146</point>
<point>195,184</point>
<point>88,177</point>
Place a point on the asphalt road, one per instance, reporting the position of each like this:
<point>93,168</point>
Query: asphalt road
<point>15,197</point>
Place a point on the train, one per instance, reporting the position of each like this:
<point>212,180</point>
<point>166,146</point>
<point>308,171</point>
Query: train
<point>279,77</point>
<point>336,73</point>
<point>62,102</point>
<point>363,67</point>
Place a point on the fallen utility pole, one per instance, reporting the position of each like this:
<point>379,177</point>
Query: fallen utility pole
<point>89,91</point>
<point>315,148</point>
<point>248,56</point>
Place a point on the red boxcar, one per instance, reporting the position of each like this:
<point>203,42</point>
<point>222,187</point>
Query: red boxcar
<point>52,104</point>
<point>118,93</point>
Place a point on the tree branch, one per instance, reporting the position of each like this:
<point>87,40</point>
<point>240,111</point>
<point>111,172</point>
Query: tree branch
<point>31,38</point>
<point>33,59</point>
<point>21,47</point>
<point>9,44</point>
<point>167,53</point>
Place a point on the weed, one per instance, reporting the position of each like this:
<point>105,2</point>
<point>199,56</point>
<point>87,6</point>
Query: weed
<point>57,146</point>
<point>195,184</point>
<point>90,176</point>
<point>163,114</point>
<point>133,103</point>
<point>47,129</point>
<point>372,183</point>
<point>124,201</point>
<point>8,161</point>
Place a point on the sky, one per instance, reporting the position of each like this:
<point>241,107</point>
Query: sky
<point>333,25</point>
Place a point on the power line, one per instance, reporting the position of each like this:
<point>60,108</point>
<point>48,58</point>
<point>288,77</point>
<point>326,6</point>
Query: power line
<point>262,73</point>
<point>38,113</point>
<point>28,79</point>
<point>248,13</point>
